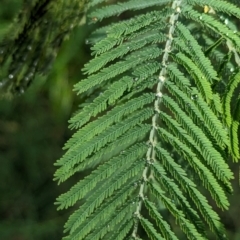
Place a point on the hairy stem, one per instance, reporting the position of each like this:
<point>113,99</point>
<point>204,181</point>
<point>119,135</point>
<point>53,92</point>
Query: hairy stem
<point>150,156</point>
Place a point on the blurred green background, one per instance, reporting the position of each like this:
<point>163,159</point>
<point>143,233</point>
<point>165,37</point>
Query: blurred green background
<point>33,129</point>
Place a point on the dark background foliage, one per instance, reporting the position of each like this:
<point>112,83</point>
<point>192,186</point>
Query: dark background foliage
<point>33,129</point>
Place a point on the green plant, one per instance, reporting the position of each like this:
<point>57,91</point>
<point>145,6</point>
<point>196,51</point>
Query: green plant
<point>160,123</point>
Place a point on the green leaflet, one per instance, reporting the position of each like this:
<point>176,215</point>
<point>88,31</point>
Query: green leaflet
<point>201,82</point>
<point>105,191</point>
<point>177,196</point>
<point>203,207</point>
<point>132,45</point>
<point>100,104</point>
<point>212,156</point>
<point>115,69</point>
<point>151,232</point>
<point>200,113</point>
<point>165,229</point>
<point>233,84</point>
<point>220,6</point>
<point>201,61</point>
<point>135,134</point>
<point>79,153</point>
<point>186,226</point>
<point>104,171</point>
<point>214,25</point>
<point>122,7</point>
<point>122,232</point>
<point>214,187</point>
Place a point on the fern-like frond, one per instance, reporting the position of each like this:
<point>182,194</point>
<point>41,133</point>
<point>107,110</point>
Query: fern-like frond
<point>220,6</point>
<point>201,82</point>
<point>154,140</point>
<point>163,226</point>
<point>232,86</point>
<point>137,133</point>
<point>78,219</point>
<point>104,171</point>
<point>150,230</point>
<point>200,112</point>
<point>176,194</point>
<point>184,223</point>
<point>214,25</point>
<point>101,103</point>
<point>132,45</point>
<point>197,54</point>
<point>232,118</point>
<point>145,54</point>
<point>212,156</point>
<point>123,30</point>
<point>119,8</point>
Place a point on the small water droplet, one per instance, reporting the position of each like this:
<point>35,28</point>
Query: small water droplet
<point>135,79</point>
<point>29,48</point>
<point>162,78</point>
<point>31,74</point>
<point>24,58</point>
<point>94,19</point>
<point>194,97</point>
<point>188,105</point>
<point>226,21</point>
<point>86,41</point>
<point>128,47</point>
<point>225,127</point>
<point>200,17</point>
<point>10,76</point>
<point>135,215</point>
<point>231,69</point>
